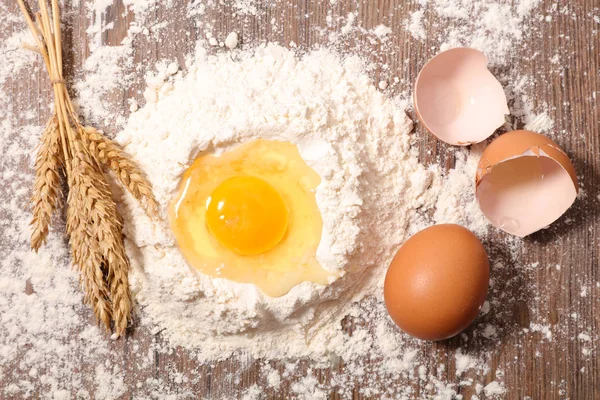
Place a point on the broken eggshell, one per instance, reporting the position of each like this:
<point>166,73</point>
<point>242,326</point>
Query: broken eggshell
<point>458,99</point>
<point>524,182</point>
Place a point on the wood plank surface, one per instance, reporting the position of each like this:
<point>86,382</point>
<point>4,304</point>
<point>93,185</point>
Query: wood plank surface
<point>530,367</point>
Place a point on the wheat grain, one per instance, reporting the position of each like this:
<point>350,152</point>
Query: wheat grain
<point>131,177</point>
<point>46,187</point>
<point>88,260</point>
<point>85,249</point>
<point>118,267</point>
<point>94,204</point>
<point>93,225</point>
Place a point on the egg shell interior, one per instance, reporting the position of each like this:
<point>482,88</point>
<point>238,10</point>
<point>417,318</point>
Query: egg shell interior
<point>458,99</point>
<point>525,182</point>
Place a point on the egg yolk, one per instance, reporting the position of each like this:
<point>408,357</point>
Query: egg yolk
<point>247,215</point>
<point>250,215</point>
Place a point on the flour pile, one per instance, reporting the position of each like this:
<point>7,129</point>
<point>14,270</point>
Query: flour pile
<point>353,136</point>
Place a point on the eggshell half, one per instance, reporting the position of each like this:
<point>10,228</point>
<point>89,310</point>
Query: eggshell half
<point>458,99</point>
<point>525,182</point>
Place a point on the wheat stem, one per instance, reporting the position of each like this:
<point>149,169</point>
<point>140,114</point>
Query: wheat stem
<point>93,226</point>
<point>35,32</point>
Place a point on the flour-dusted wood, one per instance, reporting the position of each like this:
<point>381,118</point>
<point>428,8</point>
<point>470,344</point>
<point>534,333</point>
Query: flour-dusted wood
<point>561,290</point>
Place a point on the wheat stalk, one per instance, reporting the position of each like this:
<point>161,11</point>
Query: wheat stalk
<point>118,267</point>
<point>88,259</point>
<point>95,202</point>
<point>46,187</point>
<point>113,157</point>
<point>94,227</point>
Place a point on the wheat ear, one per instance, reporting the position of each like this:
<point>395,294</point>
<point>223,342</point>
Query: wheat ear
<point>118,273</point>
<point>85,249</point>
<point>88,260</point>
<point>131,177</point>
<point>93,203</point>
<point>94,226</point>
<point>46,188</point>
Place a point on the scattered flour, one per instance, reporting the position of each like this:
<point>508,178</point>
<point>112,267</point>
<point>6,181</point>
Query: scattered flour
<point>49,348</point>
<point>494,389</point>
<point>106,70</point>
<point>12,59</point>
<point>382,32</point>
<point>456,201</point>
<point>232,40</point>
<point>464,362</point>
<point>274,379</point>
<point>415,25</point>
<point>585,337</point>
<point>494,27</point>
<point>545,330</point>
<point>489,332</point>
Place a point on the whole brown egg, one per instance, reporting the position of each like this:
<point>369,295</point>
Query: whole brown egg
<point>437,282</point>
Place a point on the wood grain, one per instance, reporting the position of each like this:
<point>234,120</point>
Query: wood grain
<point>533,367</point>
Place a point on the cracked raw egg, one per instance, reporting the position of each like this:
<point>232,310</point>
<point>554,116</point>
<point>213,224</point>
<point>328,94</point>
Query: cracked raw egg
<point>250,215</point>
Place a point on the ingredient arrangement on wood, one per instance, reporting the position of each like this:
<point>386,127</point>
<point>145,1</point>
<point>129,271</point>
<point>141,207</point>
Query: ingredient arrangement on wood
<point>276,203</point>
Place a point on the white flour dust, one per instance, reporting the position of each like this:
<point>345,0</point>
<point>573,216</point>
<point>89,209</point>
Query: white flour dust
<point>347,131</point>
<point>231,91</point>
<point>494,27</point>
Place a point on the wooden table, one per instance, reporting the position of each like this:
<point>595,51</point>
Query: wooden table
<point>531,365</point>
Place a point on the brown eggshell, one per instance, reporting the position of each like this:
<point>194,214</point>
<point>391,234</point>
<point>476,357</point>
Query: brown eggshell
<point>437,282</point>
<point>524,182</point>
<point>458,99</point>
